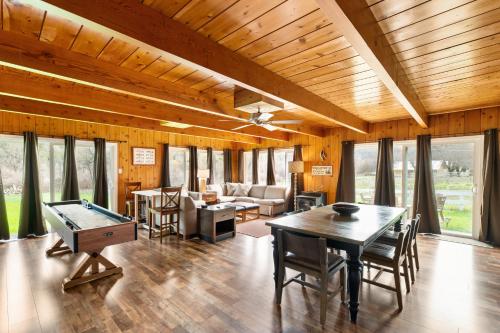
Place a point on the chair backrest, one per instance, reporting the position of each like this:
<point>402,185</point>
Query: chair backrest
<point>402,243</point>
<point>171,197</point>
<point>311,249</point>
<point>416,221</point>
<point>131,187</point>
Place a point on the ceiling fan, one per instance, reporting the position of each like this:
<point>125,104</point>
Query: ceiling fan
<point>263,120</point>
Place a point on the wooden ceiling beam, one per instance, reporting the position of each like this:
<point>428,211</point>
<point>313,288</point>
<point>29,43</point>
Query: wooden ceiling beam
<point>140,25</point>
<point>20,52</point>
<point>32,86</point>
<point>40,108</point>
<point>355,20</point>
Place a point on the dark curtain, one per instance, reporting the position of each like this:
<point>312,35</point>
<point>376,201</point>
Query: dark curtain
<point>100,175</point>
<point>228,165</point>
<point>345,185</point>
<point>165,167</point>
<point>193,184</point>
<point>424,197</point>
<point>241,166</point>
<point>297,156</point>
<point>31,219</point>
<point>385,194</point>
<point>255,166</point>
<point>490,211</point>
<point>271,180</point>
<point>70,176</point>
<point>210,166</point>
<point>4,224</point>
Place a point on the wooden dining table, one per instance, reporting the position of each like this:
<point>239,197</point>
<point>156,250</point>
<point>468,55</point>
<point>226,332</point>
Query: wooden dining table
<point>149,197</point>
<point>349,233</point>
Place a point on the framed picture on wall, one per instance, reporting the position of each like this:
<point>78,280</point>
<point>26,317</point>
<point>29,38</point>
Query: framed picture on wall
<point>322,170</point>
<point>143,156</point>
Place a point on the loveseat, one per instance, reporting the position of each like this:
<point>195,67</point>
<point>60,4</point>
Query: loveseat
<point>272,199</point>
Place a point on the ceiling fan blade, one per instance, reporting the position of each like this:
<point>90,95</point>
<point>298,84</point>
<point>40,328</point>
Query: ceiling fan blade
<point>244,120</point>
<point>265,116</point>
<point>240,127</point>
<point>285,122</point>
<point>269,127</point>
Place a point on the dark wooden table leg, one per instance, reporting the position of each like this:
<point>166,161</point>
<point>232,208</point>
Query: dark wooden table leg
<point>275,256</point>
<point>398,224</point>
<point>355,270</point>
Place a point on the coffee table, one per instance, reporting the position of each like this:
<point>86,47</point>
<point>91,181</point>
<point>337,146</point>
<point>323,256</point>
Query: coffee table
<point>245,209</point>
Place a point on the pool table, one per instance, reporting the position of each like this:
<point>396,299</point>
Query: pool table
<point>88,228</point>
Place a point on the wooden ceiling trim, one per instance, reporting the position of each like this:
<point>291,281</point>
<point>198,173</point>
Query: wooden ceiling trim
<point>348,84</point>
<point>455,62</point>
<point>79,68</point>
<point>32,86</point>
<point>235,17</point>
<point>469,36</point>
<point>269,22</point>
<point>174,38</point>
<point>89,42</point>
<point>159,67</point>
<point>338,74</point>
<point>117,51</point>
<point>452,51</point>
<point>168,8</point>
<point>490,66</point>
<point>39,108</point>
<point>297,30</point>
<point>326,60</point>
<point>59,31</point>
<point>195,14</point>
<point>317,72</point>
<point>433,23</point>
<point>297,53</point>
<point>418,13</point>
<point>356,21</point>
<point>22,18</point>
<point>384,9</point>
<point>446,33</point>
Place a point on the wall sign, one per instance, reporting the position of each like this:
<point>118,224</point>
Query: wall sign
<point>143,156</point>
<point>322,170</point>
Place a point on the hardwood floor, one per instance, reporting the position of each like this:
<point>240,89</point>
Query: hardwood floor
<point>193,286</point>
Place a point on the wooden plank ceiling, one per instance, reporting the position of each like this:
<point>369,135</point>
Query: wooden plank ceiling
<point>449,51</point>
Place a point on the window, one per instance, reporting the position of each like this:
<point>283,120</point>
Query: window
<point>262,167</point>
<point>202,159</point>
<point>218,165</point>
<point>281,159</point>
<point>365,165</point>
<point>179,166</point>
<point>50,168</point>
<point>247,158</point>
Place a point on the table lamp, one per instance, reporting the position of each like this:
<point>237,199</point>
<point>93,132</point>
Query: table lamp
<point>295,167</point>
<point>203,175</point>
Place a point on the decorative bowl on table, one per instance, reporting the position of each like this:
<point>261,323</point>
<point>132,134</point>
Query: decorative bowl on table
<point>345,208</point>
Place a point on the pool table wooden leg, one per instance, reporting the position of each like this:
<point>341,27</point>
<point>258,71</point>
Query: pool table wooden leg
<point>58,249</point>
<point>91,263</point>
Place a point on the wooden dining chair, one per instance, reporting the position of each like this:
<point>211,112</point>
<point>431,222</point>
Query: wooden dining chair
<point>388,258</point>
<point>309,255</point>
<point>170,207</point>
<point>130,197</point>
<point>391,237</point>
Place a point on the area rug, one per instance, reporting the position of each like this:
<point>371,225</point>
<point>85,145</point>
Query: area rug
<point>460,240</point>
<point>257,228</point>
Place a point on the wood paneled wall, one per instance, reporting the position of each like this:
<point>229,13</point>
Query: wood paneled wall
<point>471,122</point>
<point>15,123</point>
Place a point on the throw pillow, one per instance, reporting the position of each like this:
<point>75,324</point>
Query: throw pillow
<point>242,190</point>
<point>231,187</point>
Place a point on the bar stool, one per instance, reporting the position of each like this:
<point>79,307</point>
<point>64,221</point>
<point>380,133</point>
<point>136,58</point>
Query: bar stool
<point>170,207</point>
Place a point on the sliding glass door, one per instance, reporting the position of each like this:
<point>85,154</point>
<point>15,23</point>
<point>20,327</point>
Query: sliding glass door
<point>457,165</point>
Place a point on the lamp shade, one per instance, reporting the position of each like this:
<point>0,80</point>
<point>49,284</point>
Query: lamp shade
<point>296,167</point>
<point>203,173</point>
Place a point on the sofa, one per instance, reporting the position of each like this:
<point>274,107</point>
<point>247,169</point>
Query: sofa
<point>272,199</point>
